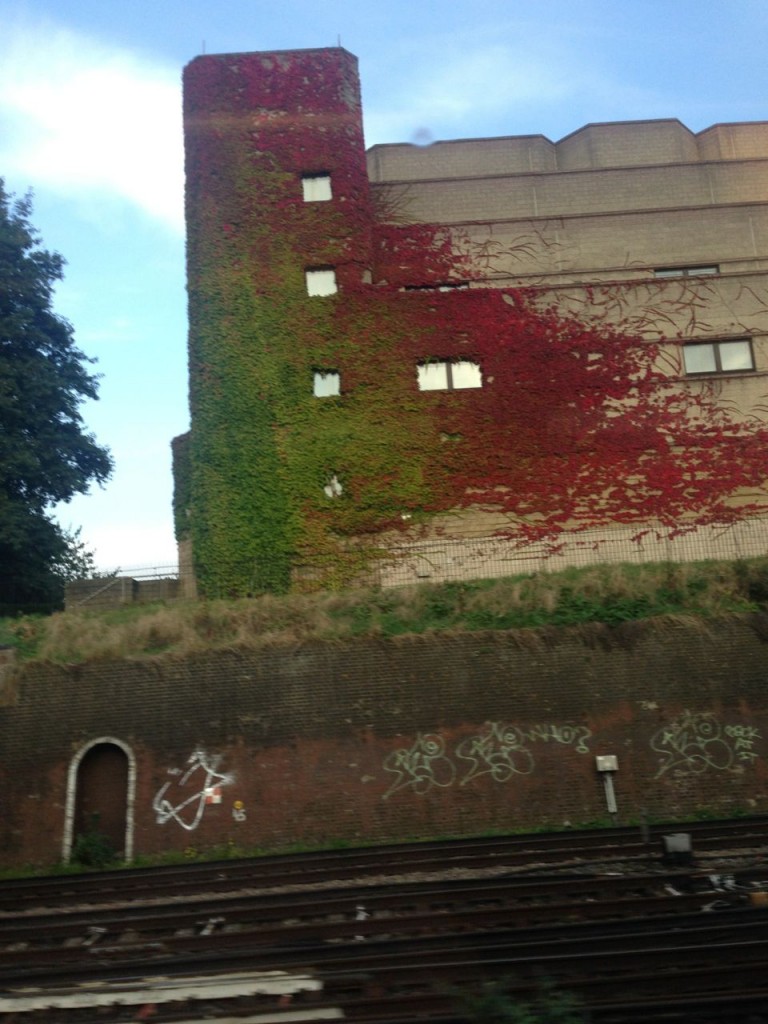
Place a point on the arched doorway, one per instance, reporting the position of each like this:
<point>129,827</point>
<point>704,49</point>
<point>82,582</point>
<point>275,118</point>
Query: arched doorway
<point>100,794</point>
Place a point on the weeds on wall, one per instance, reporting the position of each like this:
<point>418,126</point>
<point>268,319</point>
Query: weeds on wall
<point>92,849</point>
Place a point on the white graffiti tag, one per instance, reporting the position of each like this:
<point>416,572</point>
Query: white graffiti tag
<point>569,735</point>
<point>691,744</point>
<point>498,751</point>
<point>743,737</point>
<point>188,810</point>
<point>420,766</point>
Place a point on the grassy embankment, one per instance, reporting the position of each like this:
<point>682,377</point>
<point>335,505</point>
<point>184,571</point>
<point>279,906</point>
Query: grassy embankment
<point>610,594</point>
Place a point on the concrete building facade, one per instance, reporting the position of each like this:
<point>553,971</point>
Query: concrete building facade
<point>466,359</point>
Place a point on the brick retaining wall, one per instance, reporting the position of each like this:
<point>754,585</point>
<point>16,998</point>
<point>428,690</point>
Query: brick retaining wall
<point>387,739</point>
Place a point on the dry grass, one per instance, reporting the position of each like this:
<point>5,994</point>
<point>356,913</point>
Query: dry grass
<point>612,594</point>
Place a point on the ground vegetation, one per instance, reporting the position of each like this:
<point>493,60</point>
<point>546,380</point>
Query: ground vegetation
<point>605,598</point>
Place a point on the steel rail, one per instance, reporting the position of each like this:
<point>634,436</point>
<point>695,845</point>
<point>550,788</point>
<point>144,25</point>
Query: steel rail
<point>598,978</point>
<point>485,903</point>
<point>615,938</point>
<point>517,892</point>
<point>527,850</point>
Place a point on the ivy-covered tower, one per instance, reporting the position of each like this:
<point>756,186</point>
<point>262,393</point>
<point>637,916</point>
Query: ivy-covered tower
<point>449,361</point>
<point>279,224</point>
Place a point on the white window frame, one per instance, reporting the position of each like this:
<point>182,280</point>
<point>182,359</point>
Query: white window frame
<point>326,383</point>
<point>316,188</point>
<point>704,270</point>
<point>442,374</point>
<point>443,286</point>
<point>321,281</point>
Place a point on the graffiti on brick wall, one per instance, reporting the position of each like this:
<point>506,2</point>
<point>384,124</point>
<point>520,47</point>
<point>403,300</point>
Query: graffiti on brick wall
<point>420,767</point>
<point>697,742</point>
<point>575,736</point>
<point>743,738</point>
<point>183,799</point>
<point>499,750</point>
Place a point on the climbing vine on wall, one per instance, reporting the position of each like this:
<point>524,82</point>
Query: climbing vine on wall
<point>577,421</point>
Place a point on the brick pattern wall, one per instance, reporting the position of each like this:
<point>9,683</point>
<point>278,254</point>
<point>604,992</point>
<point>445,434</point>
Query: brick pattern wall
<point>580,193</point>
<point>388,739</point>
<point>465,549</point>
<point>607,201</point>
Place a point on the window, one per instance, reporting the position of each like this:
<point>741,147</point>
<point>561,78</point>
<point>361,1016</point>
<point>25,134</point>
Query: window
<point>443,286</point>
<point>321,281</point>
<point>732,356</point>
<point>316,187</point>
<point>702,271</point>
<point>327,384</point>
<point>448,375</point>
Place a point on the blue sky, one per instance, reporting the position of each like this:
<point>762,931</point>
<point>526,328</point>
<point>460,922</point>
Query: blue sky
<point>90,120</point>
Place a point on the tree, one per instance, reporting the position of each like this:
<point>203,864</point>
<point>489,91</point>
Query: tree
<point>45,454</point>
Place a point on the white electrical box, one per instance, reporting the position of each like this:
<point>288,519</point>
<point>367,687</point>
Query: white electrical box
<point>607,763</point>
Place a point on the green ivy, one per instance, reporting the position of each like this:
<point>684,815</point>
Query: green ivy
<point>539,443</point>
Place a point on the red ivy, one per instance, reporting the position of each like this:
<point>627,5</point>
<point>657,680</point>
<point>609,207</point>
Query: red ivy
<point>574,426</point>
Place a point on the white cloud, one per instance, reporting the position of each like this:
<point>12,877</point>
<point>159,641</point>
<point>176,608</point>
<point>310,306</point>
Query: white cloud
<point>127,545</point>
<point>471,82</point>
<point>124,524</point>
<point>88,120</point>
<point>510,77</point>
<point>494,78</point>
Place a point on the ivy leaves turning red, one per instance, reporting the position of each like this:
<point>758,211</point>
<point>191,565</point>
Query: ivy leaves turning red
<point>576,423</point>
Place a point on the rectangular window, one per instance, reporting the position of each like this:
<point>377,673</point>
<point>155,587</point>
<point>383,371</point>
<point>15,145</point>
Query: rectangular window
<point>448,375</point>
<point>316,187</point>
<point>443,286</point>
<point>321,281</point>
<point>705,270</point>
<point>732,356</point>
<point>327,384</point>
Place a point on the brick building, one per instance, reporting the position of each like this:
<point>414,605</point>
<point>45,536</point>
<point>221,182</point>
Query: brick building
<point>467,359</point>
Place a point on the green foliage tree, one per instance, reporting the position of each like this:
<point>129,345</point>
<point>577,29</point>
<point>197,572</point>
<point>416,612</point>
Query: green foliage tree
<point>45,454</point>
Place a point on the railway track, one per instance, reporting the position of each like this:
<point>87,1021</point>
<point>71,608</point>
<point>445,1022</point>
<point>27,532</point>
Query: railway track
<point>339,936</point>
<point>524,852</point>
